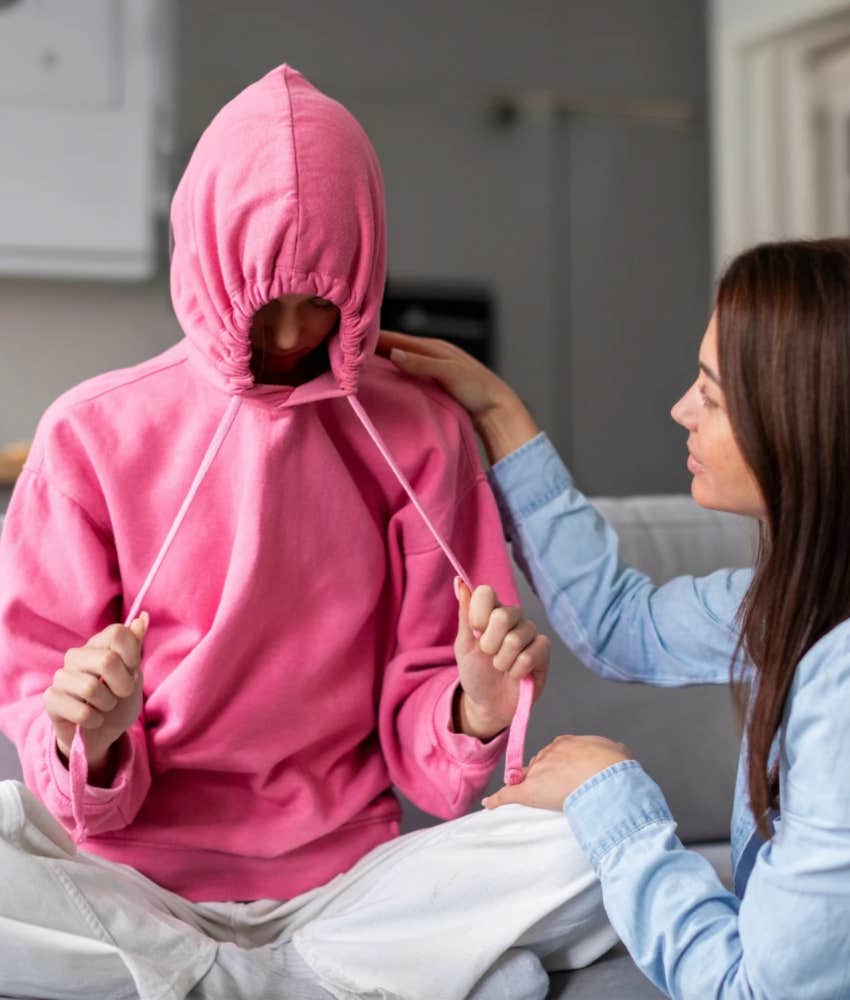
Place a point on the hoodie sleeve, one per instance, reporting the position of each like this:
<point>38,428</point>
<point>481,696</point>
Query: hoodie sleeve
<point>439,770</point>
<point>59,585</point>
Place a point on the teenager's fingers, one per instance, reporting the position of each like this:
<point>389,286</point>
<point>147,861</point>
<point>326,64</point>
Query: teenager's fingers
<point>500,622</point>
<point>63,706</point>
<point>117,676</point>
<point>86,687</point>
<point>482,604</point>
<point>139,628</point>
<point>125,642</point>
<point>465,636</point>
<point>102,664</point>
<point>517,639</point>
<point>103,639</point>
<point>534,659</point>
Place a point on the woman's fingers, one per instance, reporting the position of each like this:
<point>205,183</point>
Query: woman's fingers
<point>507,794</point>
<point>446,371</point>
<point>559,769</point>
<point>389,340</point>
<point>460,380</point>
<point>472,384</point>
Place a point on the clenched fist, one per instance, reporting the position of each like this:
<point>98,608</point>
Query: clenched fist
<point>99,689</point>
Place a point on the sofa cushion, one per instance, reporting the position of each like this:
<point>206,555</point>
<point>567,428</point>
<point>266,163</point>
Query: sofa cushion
<point>613,977</point>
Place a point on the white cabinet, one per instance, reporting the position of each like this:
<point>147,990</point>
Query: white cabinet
<point>86,125</point>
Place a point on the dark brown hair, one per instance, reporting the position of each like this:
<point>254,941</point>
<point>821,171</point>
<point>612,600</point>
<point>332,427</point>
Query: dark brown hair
<point>783,336</point>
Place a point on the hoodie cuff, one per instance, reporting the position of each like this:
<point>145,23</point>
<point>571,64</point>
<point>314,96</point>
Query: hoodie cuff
<point>528,479</point>
<point>612,806</point>
<point>97,798</point>
<point>462,748</point>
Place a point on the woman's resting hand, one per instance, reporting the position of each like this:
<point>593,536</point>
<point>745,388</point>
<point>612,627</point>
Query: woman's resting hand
<point>558,770</point>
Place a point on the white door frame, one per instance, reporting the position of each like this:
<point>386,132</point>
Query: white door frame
<point>764,171</point>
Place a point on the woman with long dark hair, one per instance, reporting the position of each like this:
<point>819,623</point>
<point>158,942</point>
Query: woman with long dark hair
<point>768,421</point>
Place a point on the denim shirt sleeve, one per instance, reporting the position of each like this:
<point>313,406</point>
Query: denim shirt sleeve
<point>613,617</point>
<point>790,935</point>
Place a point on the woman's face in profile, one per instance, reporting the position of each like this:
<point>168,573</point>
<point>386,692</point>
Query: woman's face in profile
<point>722,480</point>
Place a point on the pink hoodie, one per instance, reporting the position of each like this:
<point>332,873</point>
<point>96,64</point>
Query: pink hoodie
<point>299,660</point>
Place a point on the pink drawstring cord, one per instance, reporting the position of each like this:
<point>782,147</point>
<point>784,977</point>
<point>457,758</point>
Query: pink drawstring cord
<point>519,726</point>
<point>78,765</point>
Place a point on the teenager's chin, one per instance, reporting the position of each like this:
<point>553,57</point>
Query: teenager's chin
<point>296,370</point>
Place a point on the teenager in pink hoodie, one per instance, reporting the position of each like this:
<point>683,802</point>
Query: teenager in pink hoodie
<point>274,513</point>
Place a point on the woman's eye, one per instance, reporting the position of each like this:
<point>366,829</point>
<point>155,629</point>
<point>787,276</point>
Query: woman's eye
<point>706,399</point>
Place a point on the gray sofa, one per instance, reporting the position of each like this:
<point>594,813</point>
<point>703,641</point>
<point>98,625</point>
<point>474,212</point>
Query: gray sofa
<point>686,737</point>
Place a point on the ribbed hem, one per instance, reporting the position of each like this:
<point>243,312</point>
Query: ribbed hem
<point>96,798</point>
<point>211,876</point>
<point>462,748</point>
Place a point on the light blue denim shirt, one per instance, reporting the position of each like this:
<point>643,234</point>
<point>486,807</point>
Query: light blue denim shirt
<point>785,932</point>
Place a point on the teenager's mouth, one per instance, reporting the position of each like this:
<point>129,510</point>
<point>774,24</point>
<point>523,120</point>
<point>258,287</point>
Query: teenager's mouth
<point>283,360</point>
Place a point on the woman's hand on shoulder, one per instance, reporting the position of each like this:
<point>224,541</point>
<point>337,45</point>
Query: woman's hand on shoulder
<point>499,415</point>
<point>558,770</point>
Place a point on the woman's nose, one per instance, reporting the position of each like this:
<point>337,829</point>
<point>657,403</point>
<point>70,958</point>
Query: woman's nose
<point>684,412</point>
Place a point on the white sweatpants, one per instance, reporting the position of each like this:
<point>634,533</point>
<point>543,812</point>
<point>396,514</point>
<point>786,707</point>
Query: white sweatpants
<point>422,917</point>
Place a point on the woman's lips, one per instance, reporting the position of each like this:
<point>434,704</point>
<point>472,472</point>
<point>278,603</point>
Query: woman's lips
<point>694,466</point>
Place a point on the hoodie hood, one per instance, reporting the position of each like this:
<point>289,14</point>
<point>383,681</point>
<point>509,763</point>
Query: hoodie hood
<point>283,195</point>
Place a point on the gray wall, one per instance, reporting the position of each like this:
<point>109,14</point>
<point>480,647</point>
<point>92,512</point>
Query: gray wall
<point>591,231</point>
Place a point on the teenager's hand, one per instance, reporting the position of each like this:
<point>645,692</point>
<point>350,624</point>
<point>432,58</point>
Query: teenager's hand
<point>499,415</point>
<point>98,688</point>
<point>558,770</point>
<point>491,666</point>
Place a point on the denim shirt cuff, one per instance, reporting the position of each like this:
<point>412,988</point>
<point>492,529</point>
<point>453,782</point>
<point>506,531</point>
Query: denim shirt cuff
<point>528,479</point>
<point>612,806</point>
